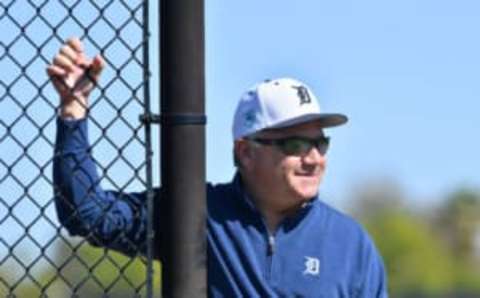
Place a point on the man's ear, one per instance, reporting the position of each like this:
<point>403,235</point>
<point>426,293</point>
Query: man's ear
<point>243,153</point>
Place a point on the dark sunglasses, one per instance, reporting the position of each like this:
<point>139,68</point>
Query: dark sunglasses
<point>296,145</point>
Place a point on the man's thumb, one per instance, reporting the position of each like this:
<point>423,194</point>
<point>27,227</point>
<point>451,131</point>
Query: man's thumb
<point>98,64</point>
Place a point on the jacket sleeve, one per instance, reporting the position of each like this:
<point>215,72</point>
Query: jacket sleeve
<point>105,218</point>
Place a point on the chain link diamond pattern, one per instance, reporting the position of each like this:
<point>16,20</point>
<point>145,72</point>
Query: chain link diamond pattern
<point>37,256</point>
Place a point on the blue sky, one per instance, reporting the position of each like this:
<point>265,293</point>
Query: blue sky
<point>405,72</point>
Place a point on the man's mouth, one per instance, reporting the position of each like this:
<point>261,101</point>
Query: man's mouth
<point>307,175</point>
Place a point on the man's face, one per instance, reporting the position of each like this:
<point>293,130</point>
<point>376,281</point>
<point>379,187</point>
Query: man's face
<point>289,180</point>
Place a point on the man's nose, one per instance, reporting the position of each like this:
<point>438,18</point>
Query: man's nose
<point>313,156</point>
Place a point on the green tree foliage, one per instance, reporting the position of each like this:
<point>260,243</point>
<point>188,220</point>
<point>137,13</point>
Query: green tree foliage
<point>458,221</point>
<point>95,272</point>
<point>415,255</point>
<point>76,269</point>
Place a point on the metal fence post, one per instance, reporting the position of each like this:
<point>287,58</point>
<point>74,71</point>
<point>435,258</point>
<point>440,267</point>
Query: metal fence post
<point>183,148</point>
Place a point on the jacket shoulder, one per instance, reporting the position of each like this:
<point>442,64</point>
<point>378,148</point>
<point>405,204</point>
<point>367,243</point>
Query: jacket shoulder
<point>343,230</point>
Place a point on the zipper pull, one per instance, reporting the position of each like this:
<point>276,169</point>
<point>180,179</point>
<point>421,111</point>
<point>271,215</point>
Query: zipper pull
<point>271,244</point>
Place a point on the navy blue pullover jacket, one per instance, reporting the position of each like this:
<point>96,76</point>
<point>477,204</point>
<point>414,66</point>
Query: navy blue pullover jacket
<point>318,252</point>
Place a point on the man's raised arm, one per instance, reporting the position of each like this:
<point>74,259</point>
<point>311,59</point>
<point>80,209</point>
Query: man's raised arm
<point>106,218</point>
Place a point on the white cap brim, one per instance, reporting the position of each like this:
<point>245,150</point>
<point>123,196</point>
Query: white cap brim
<point>324,119</point>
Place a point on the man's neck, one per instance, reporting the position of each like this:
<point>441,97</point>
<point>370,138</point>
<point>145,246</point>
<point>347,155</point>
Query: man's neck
<point>272,212</point>
<point>272,220</point>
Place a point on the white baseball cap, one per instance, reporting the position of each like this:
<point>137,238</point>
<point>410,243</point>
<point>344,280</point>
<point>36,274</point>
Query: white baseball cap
<point>279,103</point>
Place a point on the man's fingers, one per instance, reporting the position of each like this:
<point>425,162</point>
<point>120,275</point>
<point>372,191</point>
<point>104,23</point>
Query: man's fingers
<point>69,53</point>
<point>54,71</point>
<point>72,71</point>
<point>76,44</point>
<point>62,61</point>
<point>83,61</point>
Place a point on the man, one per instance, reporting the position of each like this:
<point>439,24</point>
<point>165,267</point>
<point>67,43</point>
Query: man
<point>268,233</point>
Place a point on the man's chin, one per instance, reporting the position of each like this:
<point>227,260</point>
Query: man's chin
<point>304,187</point>
<point>308,192</point>
<point>308,183</point>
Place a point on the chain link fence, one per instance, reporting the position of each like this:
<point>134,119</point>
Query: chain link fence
<point>37,256</point>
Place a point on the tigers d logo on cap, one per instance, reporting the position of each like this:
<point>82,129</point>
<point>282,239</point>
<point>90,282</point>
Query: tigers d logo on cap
<point>303,94</point>
<point>279,103</point>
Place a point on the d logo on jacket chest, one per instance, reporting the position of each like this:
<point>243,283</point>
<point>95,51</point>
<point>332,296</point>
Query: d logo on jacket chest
<point>312,266</point>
